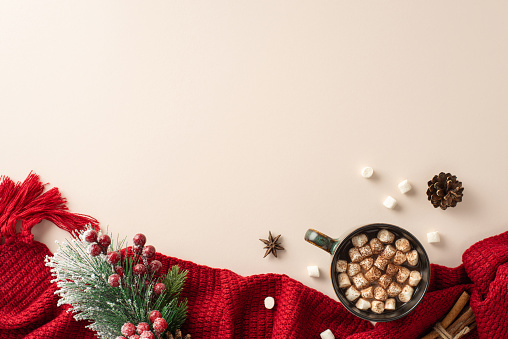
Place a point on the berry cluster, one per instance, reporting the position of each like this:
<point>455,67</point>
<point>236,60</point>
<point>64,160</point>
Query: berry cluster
<point>143,331</point>
<point>144,257</point>
<point>97,245</point>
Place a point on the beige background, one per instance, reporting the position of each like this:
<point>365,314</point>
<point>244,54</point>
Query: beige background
<point>206,124</point>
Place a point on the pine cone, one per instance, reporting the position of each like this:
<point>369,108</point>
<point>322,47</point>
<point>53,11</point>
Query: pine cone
<point>178,335</point>
<point>445,190</point>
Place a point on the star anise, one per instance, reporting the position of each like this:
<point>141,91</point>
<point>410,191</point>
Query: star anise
<point>272,245</point>
<point>178,335</point>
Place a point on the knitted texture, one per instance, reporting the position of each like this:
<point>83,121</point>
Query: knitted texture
<point>223,304</point>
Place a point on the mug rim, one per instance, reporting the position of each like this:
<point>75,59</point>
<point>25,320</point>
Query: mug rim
<point>371,316</point>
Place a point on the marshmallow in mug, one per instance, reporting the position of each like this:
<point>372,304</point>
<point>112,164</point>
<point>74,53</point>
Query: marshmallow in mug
<point>385,236</point>
<point>344,280</point>
<point>359,240</point>
<point>403,245</point>
<point>406,293</point>
<point>352,293</point>
<point>377,306</point>
<point>412,258</point>
<point>390,304</point>
<point>363,304</point>
<point>414,278</point>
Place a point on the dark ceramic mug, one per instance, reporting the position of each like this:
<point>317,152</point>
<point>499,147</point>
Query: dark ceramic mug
<point>339,248</point>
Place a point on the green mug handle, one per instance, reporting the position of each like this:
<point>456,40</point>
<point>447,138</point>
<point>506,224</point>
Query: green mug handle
<point>321,240</point>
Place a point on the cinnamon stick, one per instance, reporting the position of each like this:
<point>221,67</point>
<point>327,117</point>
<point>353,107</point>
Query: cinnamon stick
<point>450,317</point>
<point>464,320</point>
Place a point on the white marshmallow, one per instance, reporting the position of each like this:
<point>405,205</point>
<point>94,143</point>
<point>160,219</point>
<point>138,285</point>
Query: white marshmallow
<point>367,172</point>
<point>385,236</point>
<point>367,293</point>
<point>352,293</point>
<point>402,274</point>
<point>390,202</point>
<point>313,271</point>
<point>355,254</point>
<point>405,187</point>
<point>390,304</point>
<point>359,240</point>
<point>433,237</point>
<point>344,280</point>
<point>377,306</point>
<point>366,263</point>
<point>353,269</point>
<point>414,278</point>
<point>403,245</point>
<point>327,335</point>
<point>363,304</point>
<point>269,302</point>
<point>412,258</point>
<point>341,266</point>
<point>360,281</point>
<point>406,294</point>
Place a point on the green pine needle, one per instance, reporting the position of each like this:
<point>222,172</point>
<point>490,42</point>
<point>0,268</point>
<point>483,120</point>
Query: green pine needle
<point>82,282</point>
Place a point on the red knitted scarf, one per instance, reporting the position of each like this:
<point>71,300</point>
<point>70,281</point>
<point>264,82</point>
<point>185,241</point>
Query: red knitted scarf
<point>223,304</point>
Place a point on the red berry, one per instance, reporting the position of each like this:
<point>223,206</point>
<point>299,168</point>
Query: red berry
<point>119,270</point>
<point>94,250</point>
<point>90,236</point>
<point>139,240</point>
<point>159,288</point>
<point>113,258</point>
<point>135,336</point>
<point>139,269</point>
<point>147,335</point>
<point>154,315</point>
<point>148,251</point>
<point>137,249</point>
<point>142,327</point>
<point>160,325</point>
<point>114,280</point>
<point>104,240</point>
<point>155,266</point>
<point>128,329</point>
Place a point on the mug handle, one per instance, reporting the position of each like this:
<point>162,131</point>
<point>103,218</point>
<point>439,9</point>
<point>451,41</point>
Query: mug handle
<point>321,240</point>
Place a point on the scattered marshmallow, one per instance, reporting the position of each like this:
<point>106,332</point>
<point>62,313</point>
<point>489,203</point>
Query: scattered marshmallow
<point>390,304</point>
<point>433,237</point>
<point>327,335</point>
<point>414,278</point>
<point>344,280</point>
<point>377,306</point>
<point>406,294</point>
<point>402,275</point>
<point>367,172</point>
<point>390,202</point>
<point>269,302</point>
<point>341,266</point>
<point>313,271</point>
<point>359,240</point>
<point>363,304</point>
<point>405,187</point>
<point>352,293</point>
<point>403,245</point>
<point>385,236</point>
<point>412,258</point>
